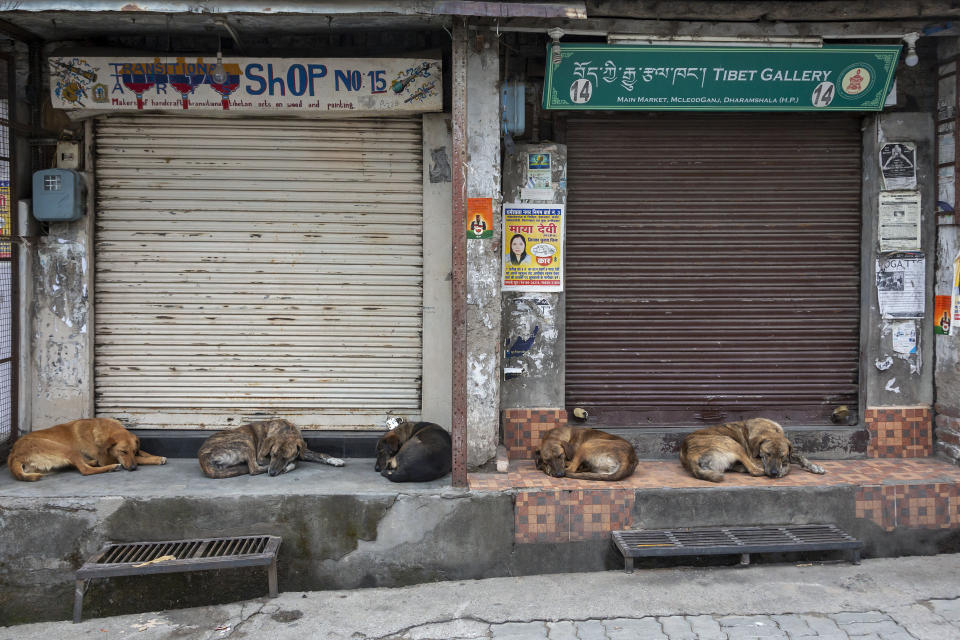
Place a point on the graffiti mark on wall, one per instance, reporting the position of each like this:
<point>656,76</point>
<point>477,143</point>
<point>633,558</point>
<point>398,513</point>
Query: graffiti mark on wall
<point>522,345</point>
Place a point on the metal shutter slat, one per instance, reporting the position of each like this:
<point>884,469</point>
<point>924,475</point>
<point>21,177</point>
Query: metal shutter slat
<point>713,267</point>
<point>250,267</point>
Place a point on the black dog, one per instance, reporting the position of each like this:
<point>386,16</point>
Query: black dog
<point>414,452</point>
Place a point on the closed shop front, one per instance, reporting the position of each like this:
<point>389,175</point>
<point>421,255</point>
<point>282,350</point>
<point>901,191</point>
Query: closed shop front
<point>713,266</point>
<point>258,266</point>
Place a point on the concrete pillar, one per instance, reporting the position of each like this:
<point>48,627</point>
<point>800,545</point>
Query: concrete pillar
<point>437,366</point>
<point>62,349</point>
<point>483,257</point>
<point>894,379</point>
<point>947,348</point>
<point>535,316</point>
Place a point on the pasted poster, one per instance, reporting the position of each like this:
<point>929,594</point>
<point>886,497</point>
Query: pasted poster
<point>941,316</point>
<point>898,223</point>
<point>179,83</point>
<point>533,247</point>
<point>955,296</point>
<point>900,285</point>
<point>904,338</point>
<point>898,165</point>
<point>479,218</point>
<point>538,171</point>
<point>6,229</point>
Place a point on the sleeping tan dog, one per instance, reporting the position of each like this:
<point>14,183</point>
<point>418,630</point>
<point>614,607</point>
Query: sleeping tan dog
<point>585,454</point>
<point>756,446</point>
<point>92,445</point>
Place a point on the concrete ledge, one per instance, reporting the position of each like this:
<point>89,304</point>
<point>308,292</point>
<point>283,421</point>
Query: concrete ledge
<point>348,528</point>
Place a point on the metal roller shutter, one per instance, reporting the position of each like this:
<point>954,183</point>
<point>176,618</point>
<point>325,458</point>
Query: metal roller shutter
<point>250,267</point>
<point>713,267</point>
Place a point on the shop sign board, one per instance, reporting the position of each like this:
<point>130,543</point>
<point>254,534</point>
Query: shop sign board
<point>275,85</point>
<point>712,78</point>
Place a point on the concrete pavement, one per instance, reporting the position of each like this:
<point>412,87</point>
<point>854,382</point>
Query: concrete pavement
<point>911,598</point>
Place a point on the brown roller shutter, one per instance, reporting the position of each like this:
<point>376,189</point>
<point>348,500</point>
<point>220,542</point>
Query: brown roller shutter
<point>713,267</point>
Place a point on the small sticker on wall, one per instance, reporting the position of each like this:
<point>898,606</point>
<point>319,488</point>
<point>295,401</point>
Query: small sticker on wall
<point>479,218</point>
<point>905,336</point>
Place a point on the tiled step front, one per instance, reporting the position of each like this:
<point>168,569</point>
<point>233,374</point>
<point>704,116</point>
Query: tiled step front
<point>867,497</point>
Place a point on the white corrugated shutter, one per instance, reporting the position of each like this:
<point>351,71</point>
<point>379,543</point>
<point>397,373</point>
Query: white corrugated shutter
<point>249,267</point>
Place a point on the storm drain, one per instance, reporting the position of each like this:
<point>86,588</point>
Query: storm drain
<point>642,543</point>
<point>175,556</point>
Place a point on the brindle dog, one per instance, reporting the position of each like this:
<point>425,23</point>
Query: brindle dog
<point>246,449</point>
<point>585,454</point>
<point>414,451</point>
<point>756,446</point>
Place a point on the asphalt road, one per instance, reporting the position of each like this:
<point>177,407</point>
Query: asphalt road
<point>913,598</point>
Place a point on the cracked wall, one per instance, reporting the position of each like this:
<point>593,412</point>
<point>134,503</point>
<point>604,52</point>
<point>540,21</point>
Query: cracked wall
<point>329,542</point>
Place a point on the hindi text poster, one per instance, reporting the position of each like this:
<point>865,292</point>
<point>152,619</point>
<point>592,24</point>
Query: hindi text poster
<point>533,247</point>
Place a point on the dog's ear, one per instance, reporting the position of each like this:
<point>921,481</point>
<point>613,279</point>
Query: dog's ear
<point>568,450</point>
<point>110,443</point>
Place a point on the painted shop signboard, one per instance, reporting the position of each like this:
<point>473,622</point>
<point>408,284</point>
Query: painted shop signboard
<point>246,84</point>
<point>669,78</point>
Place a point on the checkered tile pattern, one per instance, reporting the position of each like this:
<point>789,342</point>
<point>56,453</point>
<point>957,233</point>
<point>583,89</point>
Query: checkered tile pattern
<point>916,506</point>
<point>523,428</point>
<point>566,516</point>
<point>900,432</point>
<point>921,493</point>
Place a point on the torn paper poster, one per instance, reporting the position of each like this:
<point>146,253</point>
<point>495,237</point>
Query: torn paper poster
<point>900,285</point>
<point>905,336</point>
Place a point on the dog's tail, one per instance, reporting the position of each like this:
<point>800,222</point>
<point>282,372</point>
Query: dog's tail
<point>16,469</point>
<point>706,473</point>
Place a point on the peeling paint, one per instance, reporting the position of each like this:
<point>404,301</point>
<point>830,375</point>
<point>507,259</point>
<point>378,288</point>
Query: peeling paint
<point>889,386</point>
<point>883,364</point>
<point>61,285</point>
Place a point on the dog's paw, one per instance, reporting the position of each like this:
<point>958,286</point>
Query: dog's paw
<point>335,462</point>
<point>163,460</point>
<point>117,467</point>
<point>815,468</point>
<point>290,467</point>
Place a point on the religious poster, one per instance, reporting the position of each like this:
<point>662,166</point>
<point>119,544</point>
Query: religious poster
<point>479,218</point>
<point>533,247</point>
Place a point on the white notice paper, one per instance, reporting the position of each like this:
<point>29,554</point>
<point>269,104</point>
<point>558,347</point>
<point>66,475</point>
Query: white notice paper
<point>898,224</point>
<point>900,285</point>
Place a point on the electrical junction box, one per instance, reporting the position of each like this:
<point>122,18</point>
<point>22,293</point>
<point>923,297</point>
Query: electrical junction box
<point>58,195</point>
<point>68,155</point>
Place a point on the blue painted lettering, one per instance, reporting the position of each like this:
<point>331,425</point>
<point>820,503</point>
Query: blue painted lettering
<point>297,79</point>
<point>253,66</point>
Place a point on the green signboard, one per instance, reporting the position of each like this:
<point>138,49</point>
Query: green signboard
<point>668,78</point>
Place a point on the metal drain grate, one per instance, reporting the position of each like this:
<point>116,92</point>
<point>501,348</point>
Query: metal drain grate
<point>733,540</point>
<point>173,556</point>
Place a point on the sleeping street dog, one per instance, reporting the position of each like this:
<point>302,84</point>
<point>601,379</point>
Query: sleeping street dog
<point>756,446</point>
<point>271,445</point>
<point>585,454</point>
<point>414,451</point>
